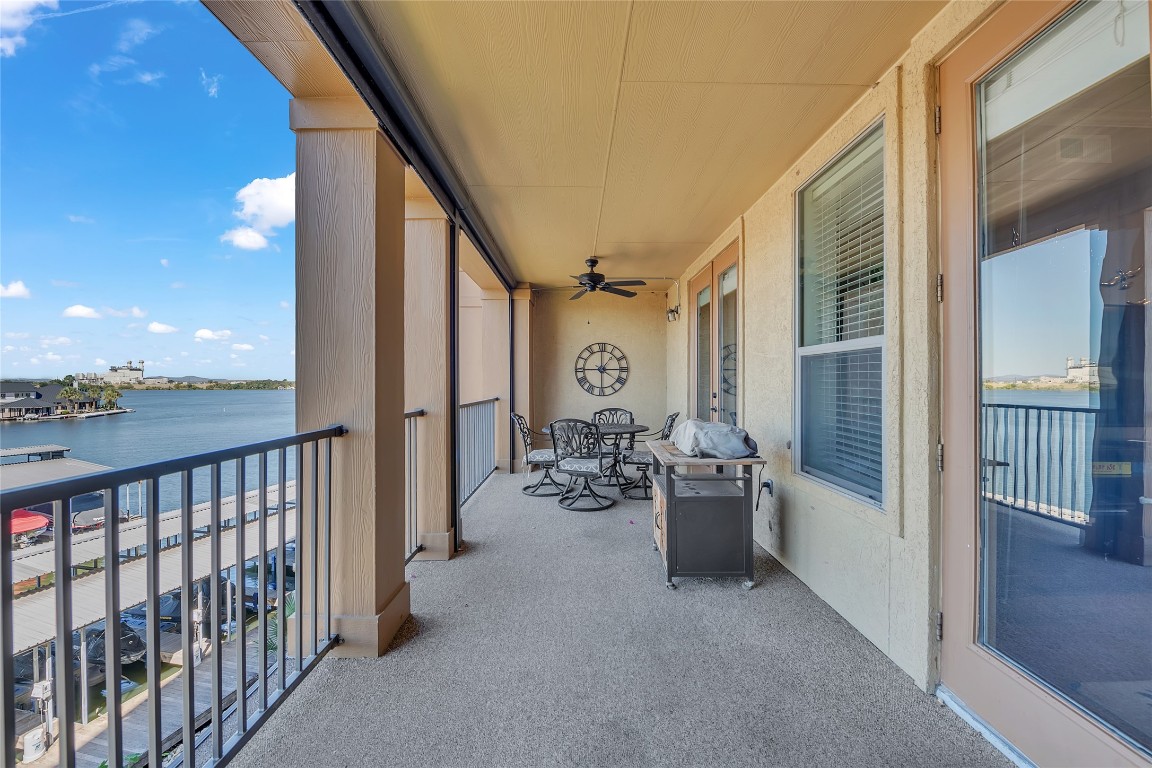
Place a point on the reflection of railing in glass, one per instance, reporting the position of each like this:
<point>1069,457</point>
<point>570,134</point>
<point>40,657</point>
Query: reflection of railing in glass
<point>1037,459</point>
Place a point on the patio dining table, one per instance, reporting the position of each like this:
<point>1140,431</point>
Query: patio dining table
<point>615,474</point>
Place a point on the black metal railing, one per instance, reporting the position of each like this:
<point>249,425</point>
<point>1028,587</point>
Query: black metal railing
<point>1037,459</point>
<point>276,525</point>
<point>412,543</point>
<point>476,445</point>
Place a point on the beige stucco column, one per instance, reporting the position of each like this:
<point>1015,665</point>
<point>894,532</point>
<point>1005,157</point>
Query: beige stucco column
<point>350,353</point>
<point>427,276</point>
<point>522,305</point>
<point>494,311</point>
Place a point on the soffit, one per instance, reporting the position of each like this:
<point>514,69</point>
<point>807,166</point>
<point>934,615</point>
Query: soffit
<point>635,132</point>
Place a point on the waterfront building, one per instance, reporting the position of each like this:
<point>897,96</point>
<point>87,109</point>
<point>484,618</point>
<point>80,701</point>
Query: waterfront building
<point>37,401</point>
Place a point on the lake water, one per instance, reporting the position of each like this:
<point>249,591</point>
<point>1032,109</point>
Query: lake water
<point>167,425</point>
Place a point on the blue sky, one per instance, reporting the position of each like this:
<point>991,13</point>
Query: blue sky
<point>146,194</point>
<point>1041,304</point>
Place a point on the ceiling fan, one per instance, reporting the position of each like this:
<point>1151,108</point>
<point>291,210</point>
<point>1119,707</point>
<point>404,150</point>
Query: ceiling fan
<point>592,281</point>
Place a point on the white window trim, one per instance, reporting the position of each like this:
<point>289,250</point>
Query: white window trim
<point>868,342</point>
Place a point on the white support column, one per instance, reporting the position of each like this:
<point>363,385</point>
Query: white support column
<point>350,353</point>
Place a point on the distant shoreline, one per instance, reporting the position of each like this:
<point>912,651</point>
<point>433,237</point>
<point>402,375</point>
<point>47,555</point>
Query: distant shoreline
<point>1044,386</point>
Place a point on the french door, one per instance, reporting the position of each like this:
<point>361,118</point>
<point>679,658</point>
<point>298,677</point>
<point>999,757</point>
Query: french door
<point>1046,250</point>
<point>715,324</point>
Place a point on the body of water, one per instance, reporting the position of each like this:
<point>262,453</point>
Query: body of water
<point>168,425</point>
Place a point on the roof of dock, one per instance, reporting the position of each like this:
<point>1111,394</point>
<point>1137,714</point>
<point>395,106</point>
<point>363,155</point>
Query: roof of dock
<point>23,473</point>
<point>31,450</point>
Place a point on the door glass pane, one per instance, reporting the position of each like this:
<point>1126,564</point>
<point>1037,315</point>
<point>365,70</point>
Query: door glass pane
<point>727,346</point>
<point>704,354</point>
<point>1065,152</point>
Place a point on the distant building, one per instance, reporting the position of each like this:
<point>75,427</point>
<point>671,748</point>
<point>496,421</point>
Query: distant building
<point>38,401</point>
<point>1085,371</point>
<point>117,374</point>
<point>15,390</point>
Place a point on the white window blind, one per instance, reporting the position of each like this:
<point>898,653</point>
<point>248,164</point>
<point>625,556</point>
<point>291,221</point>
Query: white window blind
<point>840,348</point>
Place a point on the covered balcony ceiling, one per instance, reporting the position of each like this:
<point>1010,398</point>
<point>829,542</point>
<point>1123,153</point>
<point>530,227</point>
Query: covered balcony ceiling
<point>635,132</point>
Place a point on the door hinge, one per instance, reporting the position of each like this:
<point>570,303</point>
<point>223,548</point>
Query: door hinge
<point>939,457</point>
<point>937,119</point>
<point>940,626</point>
<point>940,288</point>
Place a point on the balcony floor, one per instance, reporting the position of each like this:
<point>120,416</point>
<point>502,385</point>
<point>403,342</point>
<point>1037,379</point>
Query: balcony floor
<point>553,641</point>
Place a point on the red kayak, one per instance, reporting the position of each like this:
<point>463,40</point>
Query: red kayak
<point>24,522</point>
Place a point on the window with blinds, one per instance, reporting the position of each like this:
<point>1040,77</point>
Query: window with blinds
<point>840,345</point>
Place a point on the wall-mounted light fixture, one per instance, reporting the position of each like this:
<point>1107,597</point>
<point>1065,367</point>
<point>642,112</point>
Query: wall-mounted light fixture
<point>673,313</point>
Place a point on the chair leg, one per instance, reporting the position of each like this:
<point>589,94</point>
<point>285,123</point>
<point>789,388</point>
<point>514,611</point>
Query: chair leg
<point>534,490</point>
<point>582,487</point>
<point>644,483</point>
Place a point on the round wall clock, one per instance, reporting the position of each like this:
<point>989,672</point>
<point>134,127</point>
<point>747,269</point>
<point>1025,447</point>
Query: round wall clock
<point>601,369</point>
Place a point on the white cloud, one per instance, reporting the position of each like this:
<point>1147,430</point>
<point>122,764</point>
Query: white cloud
<point>146,78</point>
<point>265,206</point>
<point>52,357</point>
<point>55,341</point>
<point>34,361</point>
<point>136,31</point>
<point>264,338</point>
<point>64,284</point>
<point>163,262</point>
<point>178,285</point>
<point>9,348</point>
<point>245,238</point>
<point>15,18</point>
<point>205,334</point>
<point>211,84</point>
<point>155,327</point>
<point>15,290</point>
<point>285,305</point>
<point>233,356</point>
<point>183,354</point>
<point>76,218</point>
<point>243,347</point>
<point>99,361</point>
<point>131,312</point>
<point>79,310</point>
<point>111,64</point>
<point>15,335</point>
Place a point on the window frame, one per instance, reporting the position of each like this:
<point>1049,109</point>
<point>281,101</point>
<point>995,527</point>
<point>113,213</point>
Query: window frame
<point>879,342</point>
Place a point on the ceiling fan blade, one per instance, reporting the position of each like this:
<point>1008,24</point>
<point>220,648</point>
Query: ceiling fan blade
<point>578,294</point>
<point>617,291</point>
<point>619,283</point>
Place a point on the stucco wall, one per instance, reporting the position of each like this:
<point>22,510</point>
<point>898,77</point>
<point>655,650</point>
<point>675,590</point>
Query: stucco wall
<point>561,328</point>
<point>878,567</point>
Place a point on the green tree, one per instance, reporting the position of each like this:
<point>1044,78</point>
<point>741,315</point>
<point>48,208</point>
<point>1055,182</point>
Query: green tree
<point>110,395</point>
<point>70,395</point>
<point>68,380</point>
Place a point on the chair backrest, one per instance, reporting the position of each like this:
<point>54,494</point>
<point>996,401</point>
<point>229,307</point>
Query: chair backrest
<point>616,416</point>
<point>668,424</point>
<point>575,439</point>
<point>525,432</point>
<point>613,416</point>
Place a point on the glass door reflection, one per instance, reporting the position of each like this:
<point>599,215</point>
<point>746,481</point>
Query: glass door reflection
<point>1065,487</point>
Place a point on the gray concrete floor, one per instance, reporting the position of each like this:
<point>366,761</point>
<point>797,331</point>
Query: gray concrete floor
<point>552,641</point>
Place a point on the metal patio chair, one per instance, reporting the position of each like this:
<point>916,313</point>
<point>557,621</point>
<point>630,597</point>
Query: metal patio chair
<point>545,458</point>
<point>617,445</point>
<point>643,460</point>
<point>579,455</point>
